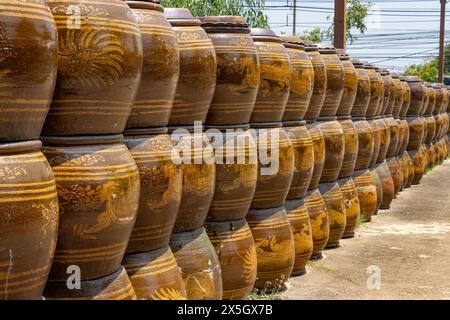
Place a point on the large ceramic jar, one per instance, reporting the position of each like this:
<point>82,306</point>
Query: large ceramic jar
<point>235,247</point>
<point>387,182</point>
<point>335,203</point>
<point>116,286</point>
<point>395,167</point>
<point>378,184</point>
<point>366,144</point>
<point>160,68</point>
<point>276,165</point>
<point>394,142</point>
<point>403,136</point>
<point>350,86</point>
<point>352,206</point>
<point>398,95</point>
<point>439,90</point>
<point>320,82</point>
<point>376,133</point>
<point>98,189</point>
<point>416,132</point>
<point>406,90</point>
<point>238,71</point>
<point>302,79</point>
<point>410,165</point>
<point>28,220</point>
<point>388,92</point>
<point>155,275</point>
<point>367,193</point>
<point>319,154</point>
<point>200,266</point>
<point>335,82</point>
<point>432,99</point>
<point>376,89</point>
<point>418,93</point>
<point>363,93</point>
<point>275,81</point>
<point>236,172</point>
<point>194,153</point>
<point>418,158</point>
<point>275,246</point>
<point>318,216</point>
<point>385,139</point>
<point>351,147</point>
<point>333,135</point>
<point>304,158</point>
<point>28,66</point>
<point>301,229</point>
<point>426,100</point>
<point>99,68</point>
<point>161,184</point>
<point>198,69</point>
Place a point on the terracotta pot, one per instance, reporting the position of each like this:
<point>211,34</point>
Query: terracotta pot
<point>302,79</point>
<point>98,189</point>
<point>302,231</point>
<point>236,250</point>
<point>385,139</point>
<point>418,95</point>
<point>275,176</point>
<point>418,158</point>
<point>99,68</point>
<point>335,203</point>
<point>28,220</point>
<point>384,174</point>
<point>28,66</point>
<point>351,147</point>
<point>408,162</point>
<point>161,186</point>
<point>160,69</point>
<point>395,168</point>
<point>275,246</point>
<point>406,97</point>
<point>399,97</point>
<point>363,93</point>
<point>155,275</point>
<point>377,90</point>
<point>352,206</point>
<point>199,264</point>
<point>350,86</point>
<point>366,144</point>
<point>389,94</point>
<point>377,142</point>
<point>379,186</point>
<point>116,286</point>
<point>318,216</point>
<point>199,175</point>
<point>320,82</point>
<point>235,181</point>
<point>367,193</point>
<point>238,70</point>
<point>304,158</point>
<point>431,99</point>
<point>416,132</point>
<point>198,69</point>
<point>319,154</point>
<point>405,134</point>
<point>335,82</point>
<point>394,128</point>
<point>333,135</point>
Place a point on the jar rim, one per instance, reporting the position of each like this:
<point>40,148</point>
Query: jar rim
<point>81,140</point>
<point>19,147</point>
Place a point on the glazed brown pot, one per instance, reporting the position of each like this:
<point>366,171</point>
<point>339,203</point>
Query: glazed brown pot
<point>350,86</point>
<point>198,69</point>
<point>379,186</point>
<point>431,99</point>
<point>377,90</point>
<point>416,132</point>
<point>406,170</point>
<point>318,216</point>
<point>275,246</point>
<point>367,193</point>
<point>28,220</point>
<point>320,82</point>
<point>335,82</point>
<point>98,189</point>
<point>388,101</point>
<point>116,286</point>
<point>199,264</point>
<point>303,157</point>
<point>376,133</point>
<point>99,68</point>
<point>335,203</point>
<point>238,70</point>
<point>440,99</point>
<point>363,93</point>
<point>155,275</point>
<point>352,206</point>
<point>333,135</point>
<point>199,176</point>
<point>385,139</point>
<point>418,158</point>
<point>302,79</point>
<point>236,175</point>
<point>398,94</point>
<point>408,162</point>
<point>236,250</point>
<point>431,151</point>
<point>319,154</point>
<point>161,186</point>
<point>418,95</point>
<point>396,173</point>
<point>160,68</point>
<point>28,66</point>
<point>366,144</point>
<point>405,134</point>
<point>426,100</point>
<point>302,231</point>
<point>274,175</point>
<point>406,97</point>
<point>351,148</point>
<point>394,128</point>
<point>387,182</point>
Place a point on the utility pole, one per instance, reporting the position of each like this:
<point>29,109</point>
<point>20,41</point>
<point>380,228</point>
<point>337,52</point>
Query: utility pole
<point>294,27</point>
<point>441,42</point>
<point>340,23</point>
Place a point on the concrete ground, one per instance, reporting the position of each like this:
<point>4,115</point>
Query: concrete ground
<point>405,250</point>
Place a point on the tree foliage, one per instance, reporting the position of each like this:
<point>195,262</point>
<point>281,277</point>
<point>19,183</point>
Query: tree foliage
<point>429,70</point>
<point>251,9</point>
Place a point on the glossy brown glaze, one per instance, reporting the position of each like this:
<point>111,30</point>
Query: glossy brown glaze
<point>384,174</point>
<point>431,99</point>
<point>398,94</point>
<point>409,164</point>
<point>351,148</point>
<point>350,86</point>
<point>236,250</point>
<point>366,144</point>
<point>394,128</point>
<point>418,95</point>
<point>161,186</point>
<point>238,70</point>
<point>99,68</point>
<point>320,82</point>
<point>199,264</point>
<point>28,220</point>
<point>335,82</point>
<point>98,189</point>
<point>155,275</point>
<point>440,98</point>
<point>431,152</point>
<point>379,185</point>
<point>388,101</point>
<point>376,134</point>
<point>406,92</point>
<point>403,132</point>
<point>318,216</point>
<point>275,246</point>
<point>335,203</point>
<point>352,206</point>
<point>319,154</point>
<point>28,66</point>
<point>364,91</point>
<point>377,90</point>
<point>419,159</point>
<point>416,132</point>
<point>385,139</point>
<point>333,136</point>
<point>395,168</point>
<point>367,193</point>
<point>160,68</point>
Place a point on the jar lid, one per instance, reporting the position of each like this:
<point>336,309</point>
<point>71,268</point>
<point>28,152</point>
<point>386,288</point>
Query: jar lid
<point>266,125</point>
<point>293,41</point>
<point>81,140</point>
<point>18,147</point>
<point>413,79</point>
<point>324,49</point>
<point>368,66</point>
<point>438,86</point>
<point>145,132</point>
<point>395,75</point>
<point>310,46</point>
<point>230,23</point>
<point>181,17</point>
<point>358,63</point>
<point>264,34</point>
<point>145,4</point>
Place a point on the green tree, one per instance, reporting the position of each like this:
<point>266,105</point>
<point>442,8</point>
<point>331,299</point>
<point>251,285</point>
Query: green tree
<point>251,9</point>
<point>429,70</point>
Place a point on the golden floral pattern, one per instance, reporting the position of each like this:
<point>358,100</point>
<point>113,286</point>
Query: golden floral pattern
<point>50,213</point>
<point>82,10</point>
<point>10,174</point>
<point>85,160</point>
<point>167,294</point>
<point>188,36</point>
<point>250,261</point>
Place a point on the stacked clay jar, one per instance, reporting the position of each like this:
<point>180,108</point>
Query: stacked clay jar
<point>441,119</point>
<point>430,125</point>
